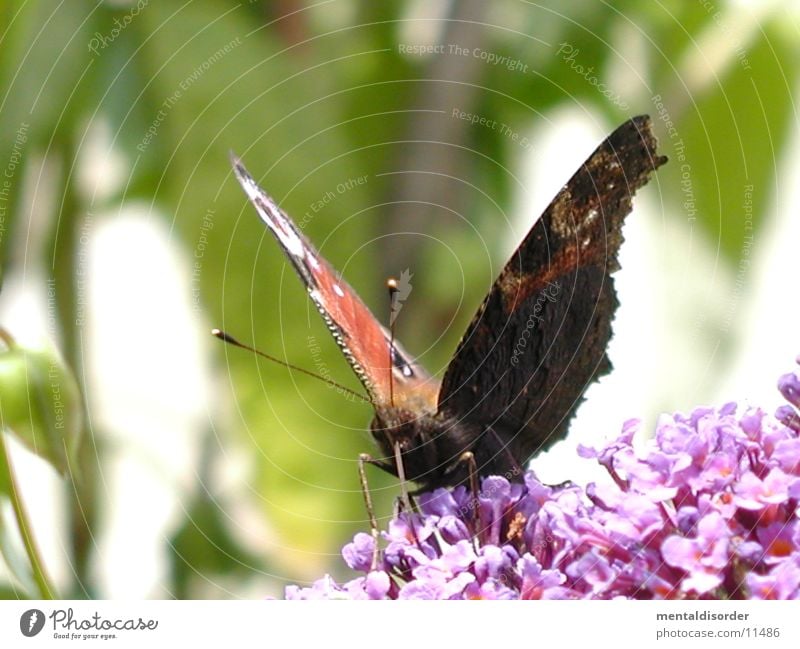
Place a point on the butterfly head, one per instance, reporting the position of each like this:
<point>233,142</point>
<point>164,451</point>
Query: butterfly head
<point>410,431</point>
<point>393,424</point>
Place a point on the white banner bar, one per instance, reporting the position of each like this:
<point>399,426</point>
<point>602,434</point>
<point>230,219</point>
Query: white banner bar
<point>385,625</point>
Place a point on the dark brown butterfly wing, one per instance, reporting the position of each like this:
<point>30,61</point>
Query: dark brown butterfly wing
<point>539,338</point>
<point>362,339</point>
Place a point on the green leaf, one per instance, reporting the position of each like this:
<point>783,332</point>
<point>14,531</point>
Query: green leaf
<point>40,404</point>
<point>204,547</point>
<point>9,592</point>
<point>733,141</point>
<point>44,63</point>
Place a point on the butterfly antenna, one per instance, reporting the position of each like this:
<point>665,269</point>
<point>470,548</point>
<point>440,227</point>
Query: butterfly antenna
<point>227,338</point>
<point>391,285</point>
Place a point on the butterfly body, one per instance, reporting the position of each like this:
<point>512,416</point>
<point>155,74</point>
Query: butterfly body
<point>433,444</point>
<point>536,343</point>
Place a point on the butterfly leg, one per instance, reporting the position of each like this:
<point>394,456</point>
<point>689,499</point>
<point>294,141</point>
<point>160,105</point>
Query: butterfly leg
<point>401,475</point>
<point>516,472</point>
<point>468,458</point>
<point>405,502</point>
<point>363,460</point>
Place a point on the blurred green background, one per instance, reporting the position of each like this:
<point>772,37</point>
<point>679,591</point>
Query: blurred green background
<point>419,135</point>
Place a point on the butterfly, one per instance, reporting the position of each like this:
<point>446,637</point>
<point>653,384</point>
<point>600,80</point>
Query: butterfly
<point>535,344</point>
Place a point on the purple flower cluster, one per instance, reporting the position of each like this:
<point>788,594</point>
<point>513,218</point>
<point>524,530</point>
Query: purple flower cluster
<point>708,509</point>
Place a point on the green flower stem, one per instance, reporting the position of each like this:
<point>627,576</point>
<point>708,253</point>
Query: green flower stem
<point>46,590</point>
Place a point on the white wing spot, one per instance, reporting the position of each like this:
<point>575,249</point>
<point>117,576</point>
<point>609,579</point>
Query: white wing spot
<point>271,215</point>
<point>286,236</point>
<point>337,289</point>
